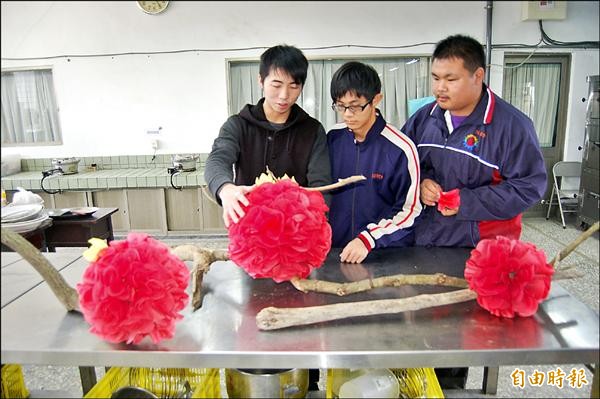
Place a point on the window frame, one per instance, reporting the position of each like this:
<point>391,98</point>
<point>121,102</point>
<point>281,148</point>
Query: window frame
<point>57,134</point>
<point>333,58</point>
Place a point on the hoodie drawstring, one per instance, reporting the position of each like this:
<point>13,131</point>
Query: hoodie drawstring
<point>270,136</point>
<point>289,143</point>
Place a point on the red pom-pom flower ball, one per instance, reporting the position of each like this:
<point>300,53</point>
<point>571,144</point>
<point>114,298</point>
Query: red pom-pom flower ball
<point>509,276</point>
<point>284,233</point>
<point>449,200</point>
<point>136,287</point>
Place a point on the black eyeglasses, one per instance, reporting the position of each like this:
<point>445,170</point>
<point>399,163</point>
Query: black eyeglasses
<point>353,108</point>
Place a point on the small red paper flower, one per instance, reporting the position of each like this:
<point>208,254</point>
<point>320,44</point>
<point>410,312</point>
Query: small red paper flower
<point>509,276</point>
<point>284,233</point>
<point>136,287</point>
<point>449,200</point>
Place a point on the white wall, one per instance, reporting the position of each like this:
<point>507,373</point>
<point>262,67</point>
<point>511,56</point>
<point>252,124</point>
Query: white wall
<point>107,103</point>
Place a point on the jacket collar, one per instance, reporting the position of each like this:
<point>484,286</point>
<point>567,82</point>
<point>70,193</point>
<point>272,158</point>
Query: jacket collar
<point>484,111</point>
<point>375,130</point>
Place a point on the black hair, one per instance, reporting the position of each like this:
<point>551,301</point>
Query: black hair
<point>355,77</point>
<point>462,47</point>
<point>287,58</point>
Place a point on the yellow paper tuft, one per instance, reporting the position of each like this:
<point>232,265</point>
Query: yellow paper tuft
<point>265,178</point>
<point>269,177</point>
<point>96,245</point>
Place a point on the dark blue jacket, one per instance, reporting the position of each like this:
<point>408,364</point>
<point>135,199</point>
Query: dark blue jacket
<point>493,157</point>
<point>382,209</point>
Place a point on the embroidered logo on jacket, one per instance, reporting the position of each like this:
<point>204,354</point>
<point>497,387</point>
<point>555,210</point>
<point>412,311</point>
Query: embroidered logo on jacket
<point>470,142</point>
<point>377,176</point>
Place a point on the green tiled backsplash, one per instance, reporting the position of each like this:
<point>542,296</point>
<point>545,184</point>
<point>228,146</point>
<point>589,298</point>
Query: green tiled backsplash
<point>112,162</point>
<point>115,172</point>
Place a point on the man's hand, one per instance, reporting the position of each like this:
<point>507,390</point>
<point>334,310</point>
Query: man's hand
<point>232,197</point>
<point>354,252</point>
<point>449,202</point>
<point>430,192</point>
<point>449,212</point>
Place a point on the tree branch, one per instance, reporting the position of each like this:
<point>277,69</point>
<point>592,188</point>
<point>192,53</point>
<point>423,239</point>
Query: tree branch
<point>397,280</point>
<point>272,318</point>
<point>66,294</point>
<point>202,259</point>
<point>340,183</point>
<point>574,244</point>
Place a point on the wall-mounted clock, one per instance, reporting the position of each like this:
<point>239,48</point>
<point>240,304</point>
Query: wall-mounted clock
<point>153,7</point>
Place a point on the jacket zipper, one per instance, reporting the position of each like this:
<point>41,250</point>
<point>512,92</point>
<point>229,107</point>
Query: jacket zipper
<point>268,146</point>
<point>356,169</point>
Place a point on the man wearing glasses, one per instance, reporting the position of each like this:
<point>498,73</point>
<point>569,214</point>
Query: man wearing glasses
<point>380,211</point>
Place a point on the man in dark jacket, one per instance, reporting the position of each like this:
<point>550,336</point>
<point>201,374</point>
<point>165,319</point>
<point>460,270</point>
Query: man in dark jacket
<point>275,133</point>
<point>479,147</point>
<point>476,145</point>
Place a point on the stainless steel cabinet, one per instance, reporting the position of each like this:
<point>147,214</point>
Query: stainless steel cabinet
<point>589,190</point>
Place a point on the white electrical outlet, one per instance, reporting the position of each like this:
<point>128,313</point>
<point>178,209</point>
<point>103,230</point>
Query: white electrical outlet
<point>154,130</point>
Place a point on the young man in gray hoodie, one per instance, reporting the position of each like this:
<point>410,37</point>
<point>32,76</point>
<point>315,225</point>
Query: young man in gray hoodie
<point>275,133</point>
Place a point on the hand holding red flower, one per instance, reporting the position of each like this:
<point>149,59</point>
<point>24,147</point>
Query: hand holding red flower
<point>284,233</point>
<point>449,200</point>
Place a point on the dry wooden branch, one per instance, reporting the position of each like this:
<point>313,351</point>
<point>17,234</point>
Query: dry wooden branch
<point>340,183</point>
<point>272,318</point>
<point>201,258</point>
<point>66,294</point>
<point>574,244</point>
<point>341,289</point>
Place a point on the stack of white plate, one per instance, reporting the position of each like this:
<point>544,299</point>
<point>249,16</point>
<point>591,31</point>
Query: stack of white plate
<point>23,218</point>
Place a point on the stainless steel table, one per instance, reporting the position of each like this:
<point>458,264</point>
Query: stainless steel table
<point>18,276</point>
<point>37,330</point>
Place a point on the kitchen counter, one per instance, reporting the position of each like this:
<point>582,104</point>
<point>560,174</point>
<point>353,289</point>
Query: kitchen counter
<point>138,185</point>
<point>105,179</point>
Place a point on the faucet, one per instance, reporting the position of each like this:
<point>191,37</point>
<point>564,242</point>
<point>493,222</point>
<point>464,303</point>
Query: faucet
<point>175,170</point>
<point>50,172</point>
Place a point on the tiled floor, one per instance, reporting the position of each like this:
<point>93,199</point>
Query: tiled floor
<point>53,381</point>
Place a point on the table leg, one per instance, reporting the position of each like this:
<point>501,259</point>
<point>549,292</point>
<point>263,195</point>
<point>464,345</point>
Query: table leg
<point>110,230</point>
<point>88,378</point>
<point>595,393</point>
<point>490,380</point>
